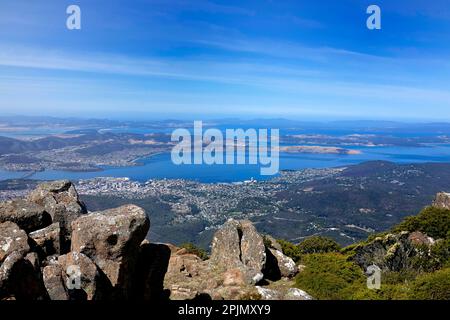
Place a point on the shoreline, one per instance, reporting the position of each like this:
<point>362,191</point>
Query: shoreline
<point>242,181</point>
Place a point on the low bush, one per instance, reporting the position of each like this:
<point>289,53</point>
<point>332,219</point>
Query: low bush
<point>291,250</point>
<point>432,221</point>
<point>329,276</point>
<point>191,248</point>
<point>432,286</point>
<point>318,244</point>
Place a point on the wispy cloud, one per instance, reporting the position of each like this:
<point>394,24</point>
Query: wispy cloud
<point>301,84</point>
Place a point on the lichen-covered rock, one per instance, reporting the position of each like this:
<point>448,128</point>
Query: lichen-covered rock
<point>238,245</point>
<point>253,252</point>
<point>283,291</point>
<point>271,242</point>
<point>233,277</point>
<point>393,252</point>
<point>188,276</point>
<point>81,277</point>
<point>6,267</point>
<point>226,246</point>
<point>297,294</point>
<point>47,241</point>
<point>27,215</point>
<point>13,248</point>
<point>238,254</point>
<point>419,238</point>
<point>25,279</point>
<point>284,265</point>
<point>442,201</point>
<point>269,294</point>
<point>60,199</point>
<point>247,292</point>
<point>112,239</point>
<point>54,282</point>
<point>12,239</point>
<point>110,260</point>
<point>57,193</point>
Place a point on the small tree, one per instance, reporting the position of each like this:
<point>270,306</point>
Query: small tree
<point>318,244</point>
<point>290,250</point>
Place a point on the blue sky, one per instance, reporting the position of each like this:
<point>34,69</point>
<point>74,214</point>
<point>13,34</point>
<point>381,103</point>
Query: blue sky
<point>203,59</point>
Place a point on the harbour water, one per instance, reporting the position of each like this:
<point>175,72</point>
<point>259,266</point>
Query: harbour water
<point>160,166</point>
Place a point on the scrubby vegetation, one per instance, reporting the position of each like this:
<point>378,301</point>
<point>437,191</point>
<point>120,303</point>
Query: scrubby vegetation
<point>330,276</point>
<point>432,221</point>
<point>434,286</point>
<point>291,250</point>
<point>191,248</point>
<point>317,244</point>
<point>329,272</point>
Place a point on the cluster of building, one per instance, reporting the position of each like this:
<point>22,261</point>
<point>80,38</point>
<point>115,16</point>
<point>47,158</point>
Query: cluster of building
<point>209,202</point>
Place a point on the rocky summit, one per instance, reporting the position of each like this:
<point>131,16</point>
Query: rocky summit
<point>52,248</point>
<point>238,266</point>
<point>442,200</point>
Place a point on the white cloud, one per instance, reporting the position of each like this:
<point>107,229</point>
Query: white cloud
<point>260,83</point>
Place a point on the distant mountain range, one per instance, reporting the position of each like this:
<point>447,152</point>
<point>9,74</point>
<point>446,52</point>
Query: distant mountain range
<point>364,125</point>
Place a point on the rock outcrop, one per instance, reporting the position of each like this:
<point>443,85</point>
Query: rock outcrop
<point>13,248</point>
<point>19,275</point>
<point>54,283</point>
<point>81,276</point>
<point>286,294</point>
<point>27,215</point>
<point>237,245</point>
<point>47,241</point>
<point>51,248</point>
<point>105,259</point>
<point>12,239</point>
<point>239,261</point>
<point>188,276</point>
<point>393,252</point>
<point>61,201</point>
<point>442,201</point>
<point>111,239</point>
<point>283,266</point>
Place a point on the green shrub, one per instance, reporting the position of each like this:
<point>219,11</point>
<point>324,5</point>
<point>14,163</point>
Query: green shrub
<point>373,236</point>
<point>434,257</point>
<point>329,276</point>
<point>386,292</point>
<point>267,242</point>
<point>432,286</point>
<point>192,249</point>
<point>432,221</point>
<point>290,250</point>
<point>428,258</point>
<point>317,244</point>
<point>398,277</point>
<point>350,250</point>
